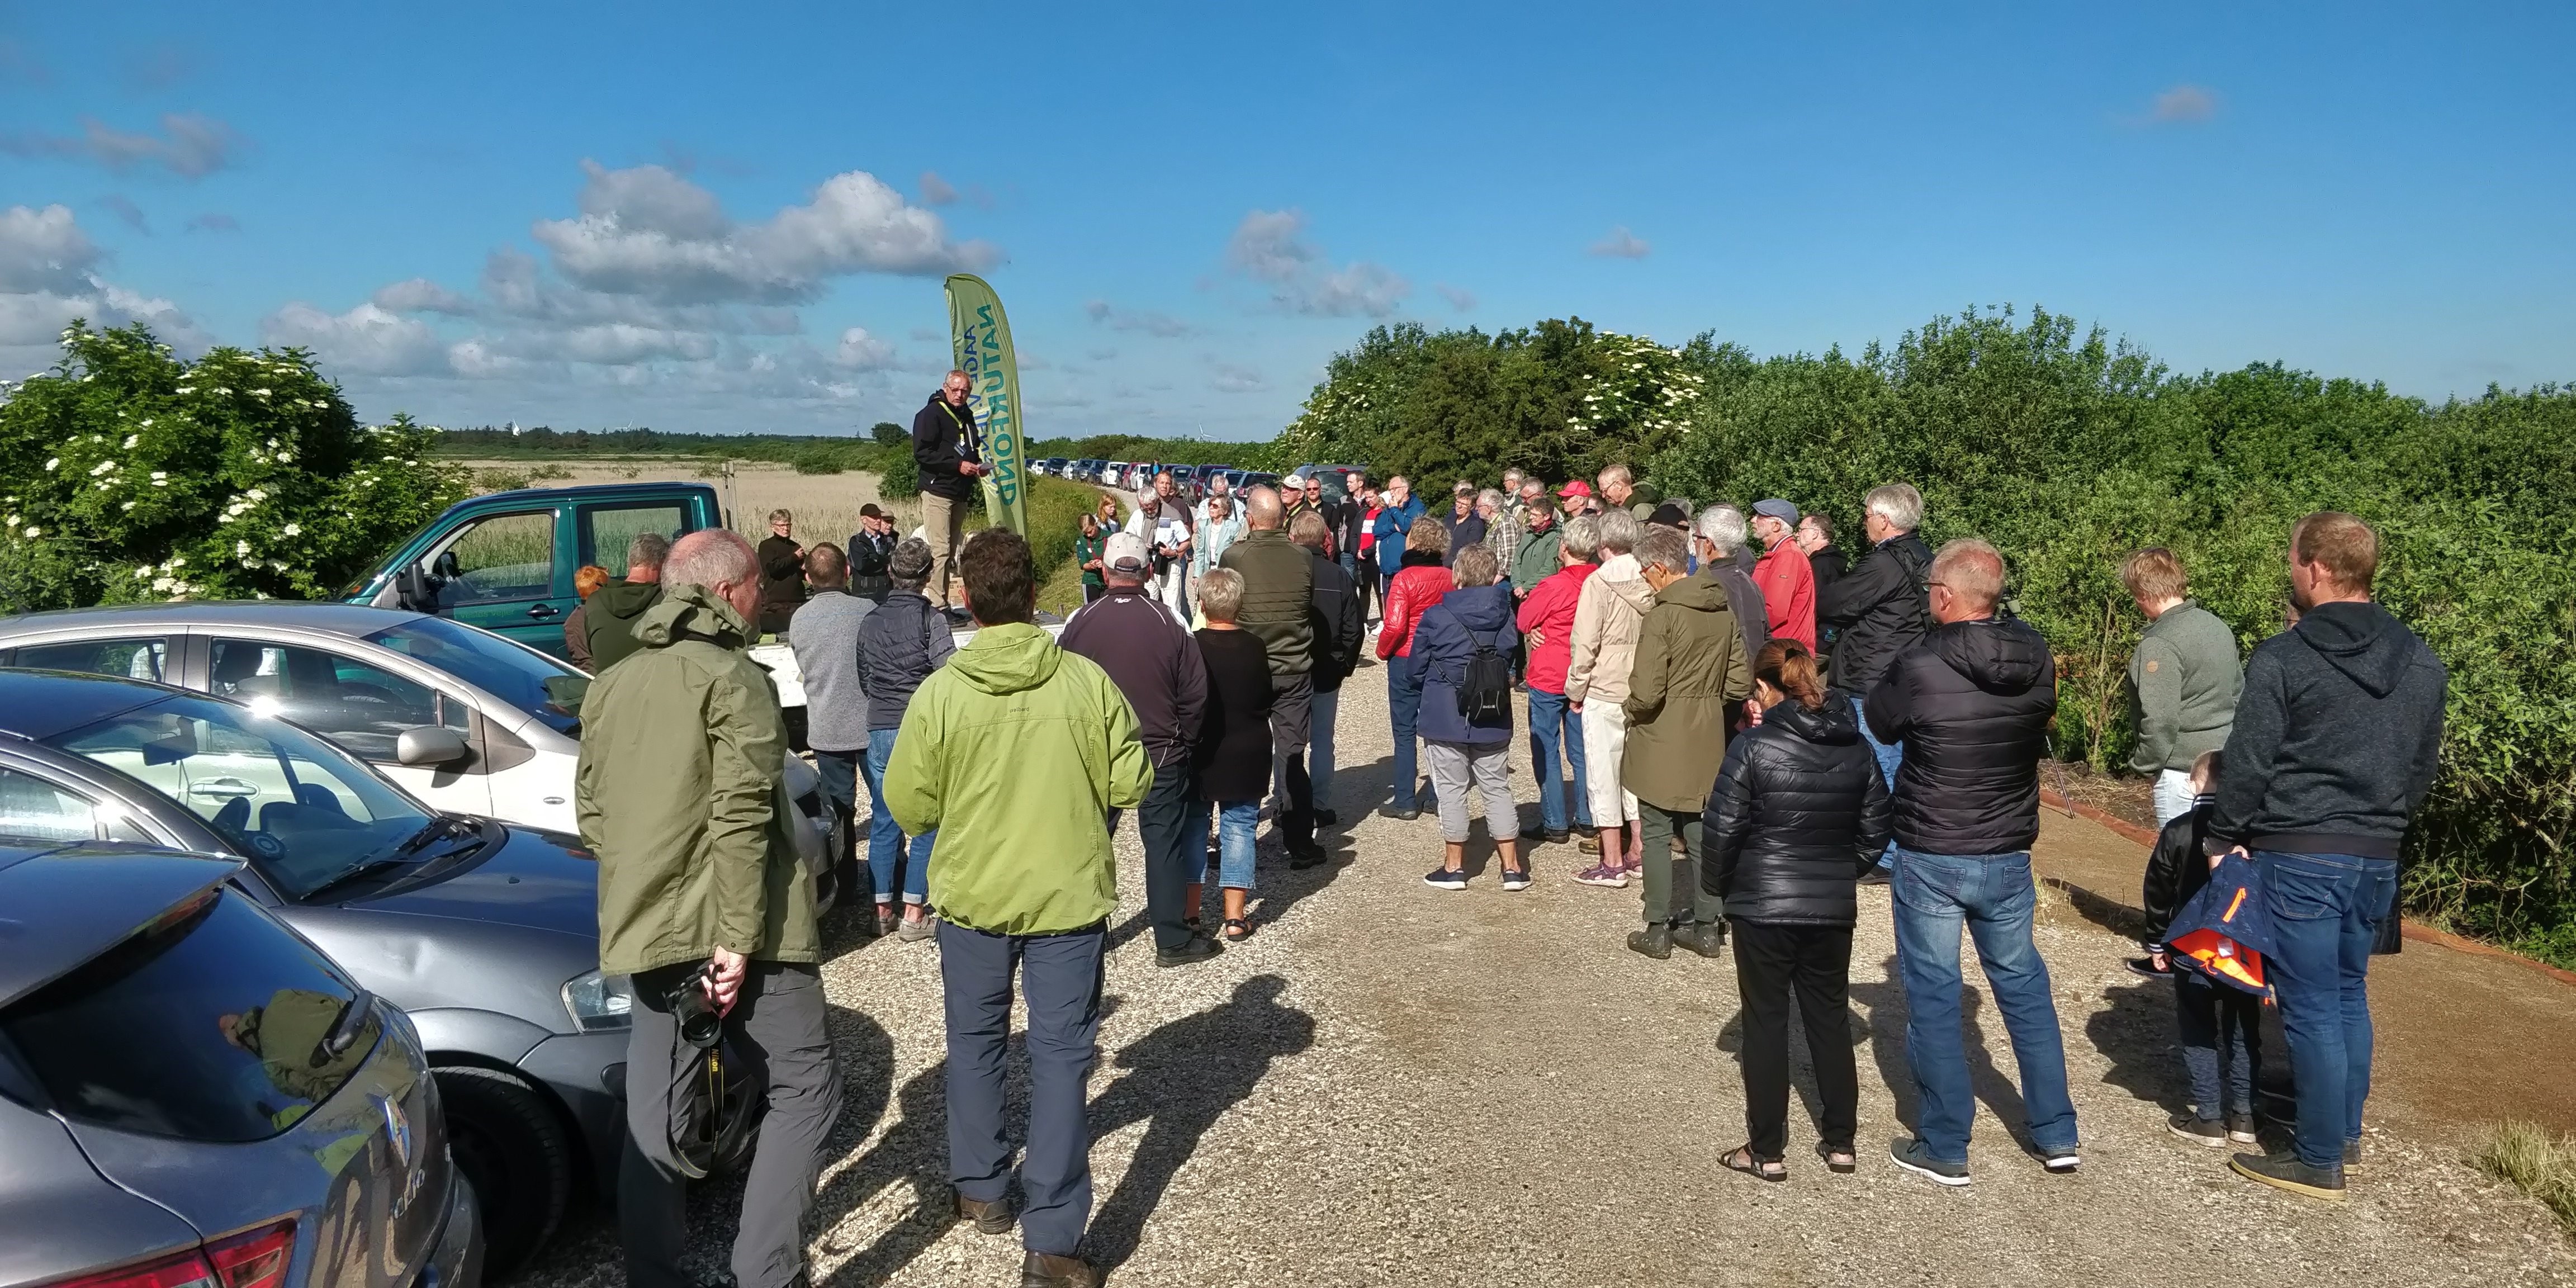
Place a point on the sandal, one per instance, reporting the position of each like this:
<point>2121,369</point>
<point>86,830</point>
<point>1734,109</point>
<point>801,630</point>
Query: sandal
<point>1238,929</point>
<point>1841,1162</point>
<point>1741,1159</point>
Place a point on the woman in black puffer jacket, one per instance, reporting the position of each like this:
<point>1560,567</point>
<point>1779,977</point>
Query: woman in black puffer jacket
<point>1798,813</point>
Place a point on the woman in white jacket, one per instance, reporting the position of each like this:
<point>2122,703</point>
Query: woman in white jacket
<point>1607,615</point>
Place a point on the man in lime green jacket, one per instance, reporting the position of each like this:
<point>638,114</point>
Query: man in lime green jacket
<point>678,794</point>
<point>1014,753</point>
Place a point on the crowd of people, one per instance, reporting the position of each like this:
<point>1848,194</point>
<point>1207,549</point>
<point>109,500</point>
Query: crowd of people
<point>1723,710</point>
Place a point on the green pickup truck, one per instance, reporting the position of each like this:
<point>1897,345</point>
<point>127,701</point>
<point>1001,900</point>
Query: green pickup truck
<point>505,561</point>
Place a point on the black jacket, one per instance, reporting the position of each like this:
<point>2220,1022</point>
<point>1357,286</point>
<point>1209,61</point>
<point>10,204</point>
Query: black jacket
<point>1344,516</point>
<point>2176,870</point>
<point>1233,759</point>
<point>943,438</point>
<point>1798,813</point>
<point>900,643</point>
<point>782,573</point>
<point>2337,735</point>
<point>1150,656</point>
<point>1463,533</point>
<point>1879,610</point>
<point>1829,564</point>
<point>1971,703</point>
<point>1337,626</point>
<point>869,553</point>
<point>610,615</point>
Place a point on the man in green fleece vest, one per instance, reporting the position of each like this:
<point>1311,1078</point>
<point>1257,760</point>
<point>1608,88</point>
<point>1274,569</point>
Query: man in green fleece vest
<point>1014,753</point>
<point>2184,675</point>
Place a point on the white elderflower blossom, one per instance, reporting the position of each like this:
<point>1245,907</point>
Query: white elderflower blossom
<point>53,462</point>
<point>101,468</point>
<point>292,529</point>
<point>34,531</point>
<point>131,440</point>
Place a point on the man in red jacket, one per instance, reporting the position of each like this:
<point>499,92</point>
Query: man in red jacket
<point>1547,624</point>
<point>1783,575</point>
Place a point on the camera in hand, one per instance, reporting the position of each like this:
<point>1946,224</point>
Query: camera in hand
<point>701,1025</point>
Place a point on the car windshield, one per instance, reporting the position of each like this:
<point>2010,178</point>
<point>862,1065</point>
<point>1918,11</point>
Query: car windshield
<point>300,808</point>
<point>511,672</point>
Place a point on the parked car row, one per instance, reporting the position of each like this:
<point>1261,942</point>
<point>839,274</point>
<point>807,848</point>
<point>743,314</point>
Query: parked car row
<point>389,792</point>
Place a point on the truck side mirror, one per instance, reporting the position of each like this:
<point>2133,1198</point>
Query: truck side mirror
<point>430,745</point>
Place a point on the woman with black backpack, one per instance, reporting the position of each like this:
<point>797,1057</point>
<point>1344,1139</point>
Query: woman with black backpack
<point>1464,646</point>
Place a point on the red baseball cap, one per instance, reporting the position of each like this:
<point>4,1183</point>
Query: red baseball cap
<point>1576,488</point>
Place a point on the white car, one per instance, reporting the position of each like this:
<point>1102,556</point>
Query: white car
<point>459,716</point>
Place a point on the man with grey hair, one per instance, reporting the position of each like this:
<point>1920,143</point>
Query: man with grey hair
<point>1719,540</point>
<point>1971,703</point>
<point>1278,606</point>
<point>678,793</point>
<point>1690,678</point>
<point>1618,489</point>
<point>612,610</point>
<point>1880,609</point>
<point>944,449</point>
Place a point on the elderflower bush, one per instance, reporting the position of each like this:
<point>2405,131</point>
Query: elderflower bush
<point>128,475</point>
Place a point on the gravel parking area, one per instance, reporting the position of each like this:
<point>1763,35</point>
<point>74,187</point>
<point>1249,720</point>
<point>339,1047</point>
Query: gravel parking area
<point>1392,1084</point>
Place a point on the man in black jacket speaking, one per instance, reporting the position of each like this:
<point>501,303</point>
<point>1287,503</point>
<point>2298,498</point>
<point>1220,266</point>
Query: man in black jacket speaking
<point>2337,735</point>
<point>943,446</point>
<point>1971,703</point>
<point>1878,610</point>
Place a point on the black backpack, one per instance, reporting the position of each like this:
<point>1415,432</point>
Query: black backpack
<point>1485,692</point>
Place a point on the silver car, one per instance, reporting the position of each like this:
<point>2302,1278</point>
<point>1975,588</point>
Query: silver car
<point>191,1094</point>
<point>460,717</point>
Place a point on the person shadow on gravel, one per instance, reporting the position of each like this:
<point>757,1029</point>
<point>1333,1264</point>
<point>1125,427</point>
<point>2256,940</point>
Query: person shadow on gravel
<point>1882,994</point>
<point>1183,1077</point>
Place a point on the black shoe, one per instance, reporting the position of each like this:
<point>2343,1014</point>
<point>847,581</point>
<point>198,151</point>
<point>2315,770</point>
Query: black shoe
<point>1404,815</point>
<point>2285,1171</point>
<point>2352,1155</point>
<point>2240,1129</point>
<point>1198,949</point>
<point>2147,966</point>
<point>989,1216</point>
<point>1047,1270</point>
<point>1874,877</point>
<point>1309,855</point>
<point>1653,941</point>
<point>2198,1130</point>
<point>1707,938</point>
<point>1914,1156</point>
<point>1327,818</point>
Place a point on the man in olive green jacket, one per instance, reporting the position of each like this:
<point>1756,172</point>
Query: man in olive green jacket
<point>1690,674</point>
<point>678,794</point>
<point>1278,609</point>
<point>1013,754</point>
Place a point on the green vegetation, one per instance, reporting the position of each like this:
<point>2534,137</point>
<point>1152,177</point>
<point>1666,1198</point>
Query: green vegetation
<point>2531,1160</point>
<point>126,474</point>
<point>1194,451</point>
<point>2068,451</point>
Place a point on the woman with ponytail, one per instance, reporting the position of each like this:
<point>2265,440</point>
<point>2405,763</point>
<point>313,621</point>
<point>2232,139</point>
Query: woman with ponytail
<point>1798,813</point>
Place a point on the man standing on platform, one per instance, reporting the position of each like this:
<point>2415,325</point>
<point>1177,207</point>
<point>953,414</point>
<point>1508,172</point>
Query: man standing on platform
<point>943,447</point>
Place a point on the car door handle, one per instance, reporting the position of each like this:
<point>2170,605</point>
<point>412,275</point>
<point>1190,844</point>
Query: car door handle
<point>542,611</point>
<point>226,787</point>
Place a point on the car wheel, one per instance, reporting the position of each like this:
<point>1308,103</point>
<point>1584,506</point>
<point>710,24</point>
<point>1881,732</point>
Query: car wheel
<point>507,1140</point>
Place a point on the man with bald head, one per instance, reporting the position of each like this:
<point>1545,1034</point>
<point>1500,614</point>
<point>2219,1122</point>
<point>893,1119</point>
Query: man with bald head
<point>944,449</point>
<point>1278,600</point>
<point>678,793</point>
<point>1971,702</point>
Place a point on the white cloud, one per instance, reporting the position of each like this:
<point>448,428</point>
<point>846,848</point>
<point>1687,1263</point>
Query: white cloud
<point>1230,378</point>
<point>1145,320</point>
<point>421,295</point>
<point>123,207</point>
<point>936,191</point>
<point>189,146</point>
<point>1459,297</point>
<point>648,232</point>
<point>2186,105</point>
<point>1270,247</point>
<point>1621,244</point>
<point>48,278</point>
<point>860,350</point>
<point>367,339</point>
<point>212,221</point>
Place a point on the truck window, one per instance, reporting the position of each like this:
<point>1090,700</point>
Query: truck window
<point>506,557</point>
<point>606,531</point>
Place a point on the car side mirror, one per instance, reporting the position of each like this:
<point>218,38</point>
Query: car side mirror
<point>430,745</point>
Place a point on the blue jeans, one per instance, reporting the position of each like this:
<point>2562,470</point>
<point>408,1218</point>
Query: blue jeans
<point>1890,755</point>
<point>2221,1027</point>
<point>1237,823</point>
<point>2325,911</point>
<point>1553,724</point>
<point>1321,711</point>
<point>1404,706</point>
<point>1992,893</point>
<point>1163,823</point>
<point>885,836</point>
<point>1060,976</point>
<point>841,772</point>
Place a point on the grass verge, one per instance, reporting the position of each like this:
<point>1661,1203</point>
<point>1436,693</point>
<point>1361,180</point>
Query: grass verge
<point>2533,1161</point>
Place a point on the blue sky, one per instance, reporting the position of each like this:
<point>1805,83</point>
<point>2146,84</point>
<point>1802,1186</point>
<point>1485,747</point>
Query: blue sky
<point>713,219</point>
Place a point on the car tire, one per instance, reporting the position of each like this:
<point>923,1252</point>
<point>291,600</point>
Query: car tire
<point>507,1140</point>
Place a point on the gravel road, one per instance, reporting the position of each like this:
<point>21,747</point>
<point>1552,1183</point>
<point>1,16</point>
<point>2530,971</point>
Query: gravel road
<point>1391,1084</point>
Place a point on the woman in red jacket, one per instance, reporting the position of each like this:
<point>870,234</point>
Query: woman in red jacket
<point>1416,586</point>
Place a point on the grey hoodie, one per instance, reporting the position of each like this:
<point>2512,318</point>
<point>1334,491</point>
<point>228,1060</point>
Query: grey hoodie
<point>2336,739</point>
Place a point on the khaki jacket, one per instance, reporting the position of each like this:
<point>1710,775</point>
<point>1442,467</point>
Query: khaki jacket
<point>679,793</point>
<point>1691,672</point>
<point>1607,616</point>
